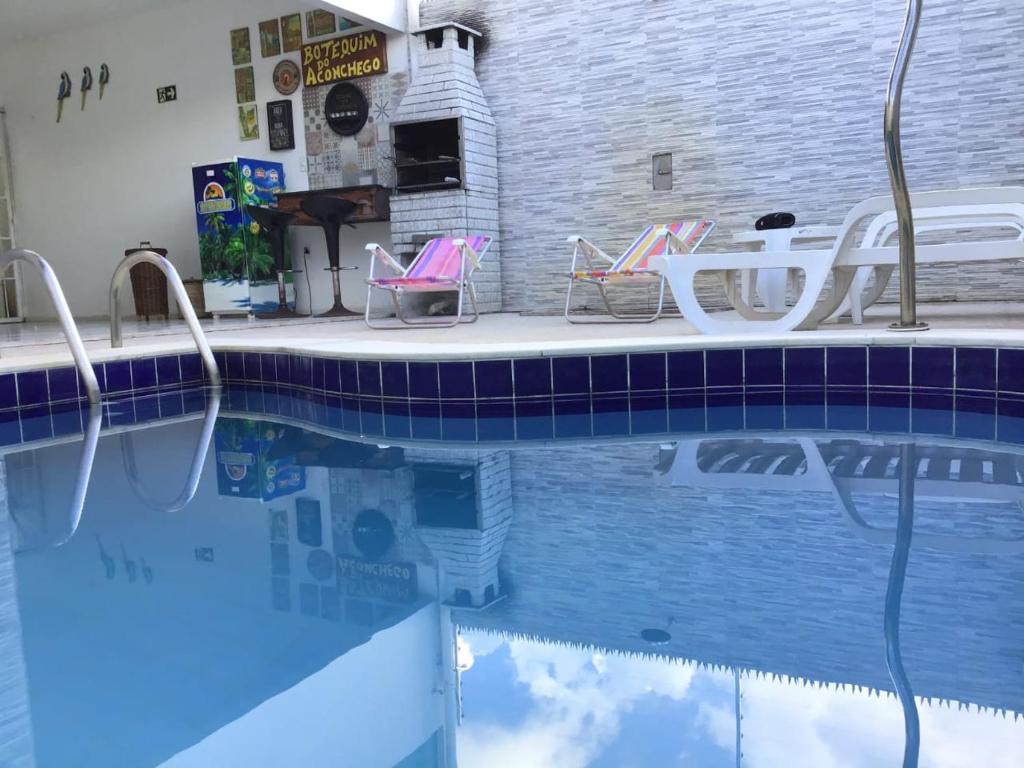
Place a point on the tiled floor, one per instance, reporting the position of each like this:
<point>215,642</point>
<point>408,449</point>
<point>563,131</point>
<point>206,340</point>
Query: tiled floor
<point>42,344</point>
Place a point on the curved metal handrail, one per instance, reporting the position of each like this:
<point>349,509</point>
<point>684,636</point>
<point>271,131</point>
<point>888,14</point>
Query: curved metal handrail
<point>195,470</point>
<point>67,322</point>
<point>897,176</point>
<point>90,438</point>
<point>184,305</point>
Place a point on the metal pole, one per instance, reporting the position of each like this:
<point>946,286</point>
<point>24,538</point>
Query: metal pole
<point>893,600</point>
<point>67,322</point>
<point>894,160</point>
<point>184,306</point>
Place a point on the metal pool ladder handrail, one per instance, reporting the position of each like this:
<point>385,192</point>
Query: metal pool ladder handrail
<point>67,322</point>
<point>184,306</point>
<point>195,469</point>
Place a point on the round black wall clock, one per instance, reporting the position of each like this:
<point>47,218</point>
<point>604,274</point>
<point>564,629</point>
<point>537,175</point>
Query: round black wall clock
<point>346,109</point>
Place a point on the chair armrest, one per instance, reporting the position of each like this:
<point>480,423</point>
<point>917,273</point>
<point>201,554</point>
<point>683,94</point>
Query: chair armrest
<point>676,245</point>
<point>588,249</point>
<point>385,258</point>
<point>819,232</point>
<point>467,251</point>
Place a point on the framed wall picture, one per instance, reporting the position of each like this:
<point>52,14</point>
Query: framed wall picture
<point>248,122</point>
<point>319,23</point>
<point>270,38</point>
<point>280,126</point>
<point>241,52</point>
<point>245,85</point>
<point>291,32</point>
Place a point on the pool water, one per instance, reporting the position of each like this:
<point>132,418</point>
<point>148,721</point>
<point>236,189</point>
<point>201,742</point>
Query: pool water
<point>241,588</point>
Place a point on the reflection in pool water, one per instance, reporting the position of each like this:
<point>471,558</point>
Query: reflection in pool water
<point>284,597</point>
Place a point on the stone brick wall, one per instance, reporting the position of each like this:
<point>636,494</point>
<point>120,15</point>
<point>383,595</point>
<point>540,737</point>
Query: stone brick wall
<point>775,105</point>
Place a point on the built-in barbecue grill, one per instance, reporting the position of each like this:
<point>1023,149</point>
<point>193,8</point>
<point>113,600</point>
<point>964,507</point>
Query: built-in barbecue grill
<point>428,154</point>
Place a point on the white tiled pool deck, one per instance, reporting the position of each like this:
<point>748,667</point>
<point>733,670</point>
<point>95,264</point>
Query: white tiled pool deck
<point>38,345</point>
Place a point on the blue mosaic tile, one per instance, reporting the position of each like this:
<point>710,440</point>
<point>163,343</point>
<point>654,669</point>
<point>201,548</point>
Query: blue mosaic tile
<point>846,366</point>
<point>764,415</point>
<point>252,365</point>
<point>458,421</point>
<point>889,410</point>
<point>63,383</point>
<point>805,367</point>
<point>144,373</point>
<point>725,412</point>
<point>283,364</point>
<point>10,428</point>
<point>1011,370</point>
<point>350,415</point>
<point>371,416</point>
<point>318,365</point>
<point>36,423</point>
<point>268,368</point>
<point>332,375</point>
<point>32,388</point>
<point>234,366</point>
<point>168,371</point>
<point>1009,419</point>
<point>146,409</point>
<point>572,417</point>
<point>724,367</point>
<point>369,378</point>
<point>170,405</point>
<point>847,416</point>
<point>532,377</point>
<point>302,371</point>
<point>426,419</point>
<point>647,371</point>
<point>932,367</point>
<point>976,368</point>
<point>396,419</point>
<point>335,415</point>
<point>686,412</point>
<point>611,414</point>
<point>805,416</point>
<point>194,400</point>
<point>456,380</point>
<point>66,419</point>
<point>534,420</point>
<point>423,380</point>
<point>191,369</point>
<point>763,367</point>
<point>119,411</point>
<point>975,417</point>
<point>571,375</point>
<point>394,378</point>
<point>101,376</point>
<point>493,378</point>
<point>348,373</point>
<point>686,369</point>
<point>8,391</point>
<point>495,420</point>
<point>648,414</point>
<point>221,359</point>
<point>609,373</point>
<point>888,366</point>
<point>931,414</point>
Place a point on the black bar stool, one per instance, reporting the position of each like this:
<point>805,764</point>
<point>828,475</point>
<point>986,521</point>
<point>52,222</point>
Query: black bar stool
<point>331,212</point>
<point>276,224</point>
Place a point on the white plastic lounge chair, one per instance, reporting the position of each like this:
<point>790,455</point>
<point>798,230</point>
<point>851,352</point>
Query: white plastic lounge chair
<point>884,225</point>
<point>601,270</point>
<point>444,264</point>
<point>970,209</point>
<point>944,474</point>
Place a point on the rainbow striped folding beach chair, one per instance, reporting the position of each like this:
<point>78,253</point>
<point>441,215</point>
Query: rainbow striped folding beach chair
<point>444,264</point>
<point>633,266</point>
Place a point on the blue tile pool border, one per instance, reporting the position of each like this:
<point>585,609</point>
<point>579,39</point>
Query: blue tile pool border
<point>855,387</point>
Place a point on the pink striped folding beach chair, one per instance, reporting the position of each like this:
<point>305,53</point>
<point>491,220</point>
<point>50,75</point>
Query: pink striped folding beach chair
<point>632,267</point>
<point>445,264</point>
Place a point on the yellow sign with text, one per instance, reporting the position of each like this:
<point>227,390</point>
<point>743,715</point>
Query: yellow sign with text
<point>343,58</point>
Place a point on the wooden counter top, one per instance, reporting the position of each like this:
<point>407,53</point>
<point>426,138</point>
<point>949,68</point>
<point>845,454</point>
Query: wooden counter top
<point>373,201</point>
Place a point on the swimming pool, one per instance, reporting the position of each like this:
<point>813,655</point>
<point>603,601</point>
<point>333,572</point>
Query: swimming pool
<point>489,574</point>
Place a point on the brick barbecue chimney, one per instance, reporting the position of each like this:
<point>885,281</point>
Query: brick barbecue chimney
<point>446,157</point>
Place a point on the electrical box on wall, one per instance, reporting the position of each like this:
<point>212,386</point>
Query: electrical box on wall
<point>661,170</point>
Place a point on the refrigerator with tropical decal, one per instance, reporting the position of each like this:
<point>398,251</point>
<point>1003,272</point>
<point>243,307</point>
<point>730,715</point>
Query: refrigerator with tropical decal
<point>239,275</point>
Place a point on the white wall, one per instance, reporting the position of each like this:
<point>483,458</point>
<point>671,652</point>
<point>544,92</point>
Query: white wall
<point>120,172</point>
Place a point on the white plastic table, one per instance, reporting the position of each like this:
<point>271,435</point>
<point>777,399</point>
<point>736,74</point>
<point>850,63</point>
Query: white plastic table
<point>771,283</point>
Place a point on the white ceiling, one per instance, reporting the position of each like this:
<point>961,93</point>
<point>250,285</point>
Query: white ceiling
<point>32,19</point>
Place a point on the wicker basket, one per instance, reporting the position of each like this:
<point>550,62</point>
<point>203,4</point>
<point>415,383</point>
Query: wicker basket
<point>194,289</point>
<point>149,286</point>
